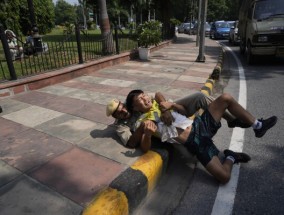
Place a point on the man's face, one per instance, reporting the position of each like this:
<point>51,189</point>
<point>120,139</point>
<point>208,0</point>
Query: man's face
<point>142,103</point>
<point>121,112</point>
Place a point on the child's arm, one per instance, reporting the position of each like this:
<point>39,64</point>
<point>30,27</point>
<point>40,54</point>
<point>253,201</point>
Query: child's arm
<point>149,129</point>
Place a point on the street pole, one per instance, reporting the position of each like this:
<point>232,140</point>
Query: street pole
<point>201,57</point>
<point>198,21</point>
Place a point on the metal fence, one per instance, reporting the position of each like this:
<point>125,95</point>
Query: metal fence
<point>76,47</point>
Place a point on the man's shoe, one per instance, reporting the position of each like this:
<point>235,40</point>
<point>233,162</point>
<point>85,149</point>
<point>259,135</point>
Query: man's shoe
<point>238,156</point>
<point>237,123</point>
<point>1,109</point>
<point>266,124</point>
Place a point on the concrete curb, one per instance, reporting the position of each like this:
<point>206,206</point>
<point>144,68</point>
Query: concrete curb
<point>131,187</point>
<point>128,190</point>
<point>207,89</point>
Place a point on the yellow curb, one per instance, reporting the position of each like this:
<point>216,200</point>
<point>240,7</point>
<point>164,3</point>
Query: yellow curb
<point>108,202</point>
<point>205,92</point>
<point>151,165</point>
<point>209,85</point>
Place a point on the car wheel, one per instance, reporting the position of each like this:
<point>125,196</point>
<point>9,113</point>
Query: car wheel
<point>250,56</point>
<point>230,40</point>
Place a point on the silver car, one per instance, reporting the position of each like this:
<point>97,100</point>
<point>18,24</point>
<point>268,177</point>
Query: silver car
<point>184,28</point>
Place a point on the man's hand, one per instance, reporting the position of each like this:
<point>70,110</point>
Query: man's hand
<point>166,105</point>
<point>167,118</point>
<point>166,115</point>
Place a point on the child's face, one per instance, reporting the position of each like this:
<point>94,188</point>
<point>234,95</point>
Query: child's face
<point>142,103</point>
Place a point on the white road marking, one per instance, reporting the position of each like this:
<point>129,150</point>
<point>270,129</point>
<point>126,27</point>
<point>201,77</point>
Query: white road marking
<point>224,201</point>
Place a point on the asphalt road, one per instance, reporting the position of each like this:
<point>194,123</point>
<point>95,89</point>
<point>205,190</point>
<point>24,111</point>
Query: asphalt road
<point>260,188</point>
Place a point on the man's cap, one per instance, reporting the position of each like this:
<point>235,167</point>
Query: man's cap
<point>112,107</point>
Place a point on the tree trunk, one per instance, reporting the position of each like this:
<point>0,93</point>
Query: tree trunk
<point>108,46</point>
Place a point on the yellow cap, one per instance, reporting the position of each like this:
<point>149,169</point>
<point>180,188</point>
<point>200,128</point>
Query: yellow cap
<point>112,107</point>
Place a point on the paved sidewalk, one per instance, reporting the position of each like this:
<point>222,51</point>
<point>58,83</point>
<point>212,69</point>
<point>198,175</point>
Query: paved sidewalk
<point>58,150</point>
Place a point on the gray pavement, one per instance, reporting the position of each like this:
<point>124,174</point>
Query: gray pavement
<point>58,148</point>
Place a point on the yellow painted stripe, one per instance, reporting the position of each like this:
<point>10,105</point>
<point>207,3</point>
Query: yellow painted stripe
<point>209,85</point>
<point>108,202</point>
<point>150,164</point>
<point>205,92</point>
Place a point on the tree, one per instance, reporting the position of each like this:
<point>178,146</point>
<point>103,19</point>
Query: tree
<point>64,13</point>
<point>105,28</point>
<point>15,15</point>
<point>216,10</point>
<point>84,11</point>
<point>9,15</point>
<point>116,10</point>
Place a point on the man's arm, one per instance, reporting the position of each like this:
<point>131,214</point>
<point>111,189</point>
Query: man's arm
<point>173,106</point>
<point>166,115</point>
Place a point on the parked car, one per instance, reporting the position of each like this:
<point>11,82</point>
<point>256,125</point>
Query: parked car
<point>185,28</point>
<point>207,28</point>
<point>220,30</point>
<point>234,37</point>
<point>188,28</point>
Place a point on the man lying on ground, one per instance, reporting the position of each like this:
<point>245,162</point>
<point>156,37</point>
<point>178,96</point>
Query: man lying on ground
<point>125,123</point>
<point>197,135</point>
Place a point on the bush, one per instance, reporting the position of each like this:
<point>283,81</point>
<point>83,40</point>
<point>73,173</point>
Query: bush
<point>149,33</point>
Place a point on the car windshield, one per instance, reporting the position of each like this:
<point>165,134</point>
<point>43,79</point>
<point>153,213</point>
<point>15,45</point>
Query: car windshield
<point>222,25</point>
<point>265,9</point>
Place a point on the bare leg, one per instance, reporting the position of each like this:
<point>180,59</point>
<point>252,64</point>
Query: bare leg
<point>226,101</point>
<point>222,172</point>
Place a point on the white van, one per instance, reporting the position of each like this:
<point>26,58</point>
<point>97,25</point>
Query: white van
<point>261,28</point>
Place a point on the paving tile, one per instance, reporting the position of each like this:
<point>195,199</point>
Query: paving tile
<point>104,98</point>
<point>35,98</point>
<point>190,72</point>
<point>31,148</point>
<point>58,90</point>
<point>187,85</point>
<point>69,128</point>
<point>85,95</point>
<point>92,87</point>
<point>8,173</point>
<point>27,196</point>
<point>78,174</point>
<point>64,104</point>
<point>90,79</point>
<point>32,116</point>
<point>11,105</point>
<point>192,79</point>
<point>94,112</point>
<point>118,83</point>
<point>105,142</point>
<point>10,128</point>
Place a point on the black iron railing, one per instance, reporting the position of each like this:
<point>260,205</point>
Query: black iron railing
<point>76,47</point>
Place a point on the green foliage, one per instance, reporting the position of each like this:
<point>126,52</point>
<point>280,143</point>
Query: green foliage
<point>15,15</point>
<point>64,12</point>
<point>216,10</point>
<point>149,33</point>
<point>9,15</point>
<point>175,22</point>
